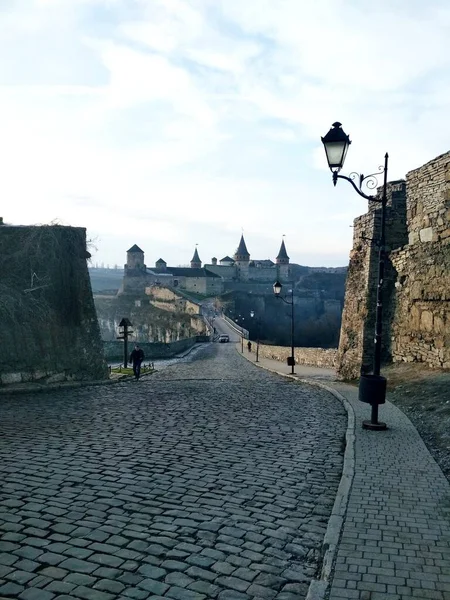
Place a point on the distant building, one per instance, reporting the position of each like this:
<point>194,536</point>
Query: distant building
<point>206,280</point>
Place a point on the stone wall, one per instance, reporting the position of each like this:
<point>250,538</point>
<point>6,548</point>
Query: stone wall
<point>48,323</point>
<point>168,299</point>
<point>416,287</point>
<point>428,209</point>
<point>239,330</point>
<point>150,324</point>
<point>114,349</point>
<point>421,323</point>
<point>316,357</point>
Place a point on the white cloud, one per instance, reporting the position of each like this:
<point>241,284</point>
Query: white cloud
<point>193,118</point>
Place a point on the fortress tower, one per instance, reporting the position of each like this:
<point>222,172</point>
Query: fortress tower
<point>196,263</point>
<point>242,260</point>
<point>135,261</point>
<point>282,261</point>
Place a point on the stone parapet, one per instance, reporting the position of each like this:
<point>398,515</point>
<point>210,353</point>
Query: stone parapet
<point>114,350</point>
<point>314,357</point>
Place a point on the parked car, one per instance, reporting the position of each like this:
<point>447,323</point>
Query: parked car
<point>224,338</point>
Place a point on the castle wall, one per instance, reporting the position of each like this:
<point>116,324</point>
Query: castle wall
<point>416,287</point>
<point>202,285</point>
<point>48,322</point>
<point>226,273</point>
<point>263,274</point>
<point>421,323</point>
<point>356,347</point>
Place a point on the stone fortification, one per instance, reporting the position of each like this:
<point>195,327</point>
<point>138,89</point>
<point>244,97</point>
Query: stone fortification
<point>416,288</point>
<point>49,328</point>
<point>421,323</point>
<point>315,357</point>
<point>114,349</point>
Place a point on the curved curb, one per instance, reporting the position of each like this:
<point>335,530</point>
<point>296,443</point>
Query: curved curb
<point>318,587</point>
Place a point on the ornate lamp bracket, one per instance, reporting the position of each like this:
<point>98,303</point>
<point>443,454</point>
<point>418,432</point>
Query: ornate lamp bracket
<point>368,182</point>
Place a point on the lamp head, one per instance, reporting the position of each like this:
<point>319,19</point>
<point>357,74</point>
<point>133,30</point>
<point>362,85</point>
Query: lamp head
<point>277,287</point>
<point>336,143</point>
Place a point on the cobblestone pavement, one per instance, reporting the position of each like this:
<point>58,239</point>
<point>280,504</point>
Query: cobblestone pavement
<point>210,479</point>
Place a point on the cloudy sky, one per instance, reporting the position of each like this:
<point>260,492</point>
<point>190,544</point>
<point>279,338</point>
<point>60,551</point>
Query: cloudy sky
<point>170,123</point>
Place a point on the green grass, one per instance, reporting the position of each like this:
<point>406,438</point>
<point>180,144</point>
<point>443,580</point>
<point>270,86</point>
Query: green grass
<point>129,370</point>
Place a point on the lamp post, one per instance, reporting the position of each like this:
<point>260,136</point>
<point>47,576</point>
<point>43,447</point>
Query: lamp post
<point>241,319</point>
<point>372,388</point>
<point>124,332</point>
<point>277,287</point>
<point>258,333</point>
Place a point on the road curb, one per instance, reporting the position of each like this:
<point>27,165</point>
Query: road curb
<point>318,588</point>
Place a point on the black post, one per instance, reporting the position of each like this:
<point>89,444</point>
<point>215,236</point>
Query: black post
<point>292,330</point>
<point>257,341</point>
<point>125,346</point>
<point>379,381</point>
<point>381,259</point>
<point>242,341</point>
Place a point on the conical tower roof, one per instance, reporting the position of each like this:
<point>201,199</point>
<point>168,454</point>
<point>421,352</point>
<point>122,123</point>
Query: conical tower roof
<point>196,257</point>
<point>135,248</point>
<point>242,248</point>
<point>282,253</point>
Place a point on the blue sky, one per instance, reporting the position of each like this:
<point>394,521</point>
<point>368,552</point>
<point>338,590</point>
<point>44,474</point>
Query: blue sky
<point>170,123</point>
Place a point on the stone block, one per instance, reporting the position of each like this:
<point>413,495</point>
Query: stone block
<point>39,375</point>
<point>426,234</point>
<point>426,321</point>
<point>8,378</point>
<point>56,378</point>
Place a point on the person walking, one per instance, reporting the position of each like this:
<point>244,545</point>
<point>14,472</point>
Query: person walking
<point>249,346</point>
<point>136,357</point>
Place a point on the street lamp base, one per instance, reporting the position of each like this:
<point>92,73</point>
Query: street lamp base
<point>374,426</point>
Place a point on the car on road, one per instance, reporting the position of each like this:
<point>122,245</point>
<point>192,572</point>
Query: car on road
<point>224,338</point>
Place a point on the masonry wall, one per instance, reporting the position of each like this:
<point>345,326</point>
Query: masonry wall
<point>114,349</point>
<point>416,287</point>
<point>317,357</point>
<point>421,323</point>
<point>356,346</point>
<point>48,323</point>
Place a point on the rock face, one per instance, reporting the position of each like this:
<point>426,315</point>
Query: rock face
<point>47,315</point>
<point>416,289</point>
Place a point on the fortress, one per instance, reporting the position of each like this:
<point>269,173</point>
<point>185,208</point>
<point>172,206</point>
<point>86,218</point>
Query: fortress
<point>210,279</point>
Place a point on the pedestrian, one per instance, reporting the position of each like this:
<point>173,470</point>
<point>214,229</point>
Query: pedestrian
<point>136,357</point>
<point>249,346</point>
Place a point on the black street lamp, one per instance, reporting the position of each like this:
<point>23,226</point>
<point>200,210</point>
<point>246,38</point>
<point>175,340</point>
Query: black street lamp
<point>277,287</point>
<point>241,319</point>
<point>124,332</point>
<point>258,332</point>
<point>372,388</point>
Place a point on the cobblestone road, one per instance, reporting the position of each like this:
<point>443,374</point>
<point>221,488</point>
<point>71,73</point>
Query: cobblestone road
<point>211,479</point>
